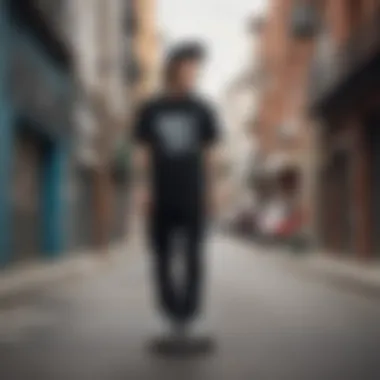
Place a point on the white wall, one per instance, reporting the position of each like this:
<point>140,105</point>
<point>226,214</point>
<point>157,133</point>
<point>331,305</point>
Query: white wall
<point>239,109</point>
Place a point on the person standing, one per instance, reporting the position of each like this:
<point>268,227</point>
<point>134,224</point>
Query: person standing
<point>176,132</point>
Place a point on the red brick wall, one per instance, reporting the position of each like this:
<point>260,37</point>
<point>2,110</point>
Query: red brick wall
<point>287,64</point>
<point>343,23</point>
<point>284,100</point>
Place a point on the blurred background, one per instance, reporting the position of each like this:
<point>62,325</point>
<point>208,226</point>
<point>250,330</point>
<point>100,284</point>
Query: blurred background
<point>296,84</point>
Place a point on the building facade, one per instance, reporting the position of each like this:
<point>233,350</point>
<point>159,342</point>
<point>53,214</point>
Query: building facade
<point>283,130</point>
<point>146,45</point>
<point>239,113</point>
<point>106,72</point>
<point>36,130</point>
<point>344,100</point>
<point>240,145</point>
<point>65,84</point>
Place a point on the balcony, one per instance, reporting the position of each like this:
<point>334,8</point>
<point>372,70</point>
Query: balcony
<point>331,73</point>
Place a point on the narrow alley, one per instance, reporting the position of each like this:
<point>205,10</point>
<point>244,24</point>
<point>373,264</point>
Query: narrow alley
<point>257,118</point>
<point>268,322</point>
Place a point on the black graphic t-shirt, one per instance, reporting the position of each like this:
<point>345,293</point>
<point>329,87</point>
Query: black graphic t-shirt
<point>177,131</point>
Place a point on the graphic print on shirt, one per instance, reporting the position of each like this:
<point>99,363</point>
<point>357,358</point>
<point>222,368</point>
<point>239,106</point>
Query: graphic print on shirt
<point>176,132</point>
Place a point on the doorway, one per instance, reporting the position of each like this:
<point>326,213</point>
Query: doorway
<point>26,194</point>
<point>337,204</point>
<point>372,130</point>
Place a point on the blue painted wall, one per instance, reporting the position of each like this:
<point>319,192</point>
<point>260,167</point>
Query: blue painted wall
<point>6,140</point>
<point>54,170</point>
<point>53,199</point>
<point>55,157</point>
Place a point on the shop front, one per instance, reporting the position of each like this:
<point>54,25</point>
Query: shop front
<point>35,86</point>
<point>346,101</point>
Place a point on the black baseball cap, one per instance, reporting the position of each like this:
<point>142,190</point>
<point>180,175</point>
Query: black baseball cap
<point>186,51</point>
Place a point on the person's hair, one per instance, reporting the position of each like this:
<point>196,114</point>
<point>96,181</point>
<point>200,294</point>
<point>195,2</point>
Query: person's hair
<point>190,51</point>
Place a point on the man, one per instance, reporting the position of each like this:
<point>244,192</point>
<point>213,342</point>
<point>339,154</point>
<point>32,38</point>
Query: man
<point>175,133</point>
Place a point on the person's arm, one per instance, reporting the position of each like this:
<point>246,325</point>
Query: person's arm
<point>211,134</point>
<point>141,160</point>
<point>213,163</point>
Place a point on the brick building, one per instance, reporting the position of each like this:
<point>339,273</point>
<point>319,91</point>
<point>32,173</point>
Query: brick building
<point>146,46</point>
<point>344,98</point>
<point>283,131</point>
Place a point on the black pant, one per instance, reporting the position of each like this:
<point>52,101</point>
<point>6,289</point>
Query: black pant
<point>180,303</point>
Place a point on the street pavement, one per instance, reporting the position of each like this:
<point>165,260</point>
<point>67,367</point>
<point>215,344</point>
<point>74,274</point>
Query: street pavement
<point>269,323</point>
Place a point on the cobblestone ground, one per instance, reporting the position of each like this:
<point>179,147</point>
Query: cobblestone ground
<point>269,324</point>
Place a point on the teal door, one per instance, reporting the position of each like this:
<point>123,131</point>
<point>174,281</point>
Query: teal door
<point>26,199</point>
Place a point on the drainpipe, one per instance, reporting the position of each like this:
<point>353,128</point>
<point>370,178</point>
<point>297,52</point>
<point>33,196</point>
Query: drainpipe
<point>6,140</point>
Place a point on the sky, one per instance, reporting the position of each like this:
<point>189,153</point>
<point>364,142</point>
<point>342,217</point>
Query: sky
<point>220,24</point>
